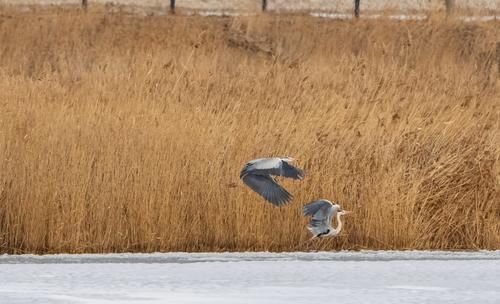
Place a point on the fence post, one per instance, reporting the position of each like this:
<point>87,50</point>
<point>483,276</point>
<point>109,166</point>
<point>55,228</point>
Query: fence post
<point>84,4</point>
<point>498,57</point>
<point>172,6</point>
<point>450,6</point>
<point>356,8</point>
<point>264,5</point>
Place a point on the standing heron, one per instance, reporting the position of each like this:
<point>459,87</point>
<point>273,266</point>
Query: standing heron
<point>323,212</point>
<point>258,175</point>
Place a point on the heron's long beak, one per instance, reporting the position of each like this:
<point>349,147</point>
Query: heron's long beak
<point>346,212</point>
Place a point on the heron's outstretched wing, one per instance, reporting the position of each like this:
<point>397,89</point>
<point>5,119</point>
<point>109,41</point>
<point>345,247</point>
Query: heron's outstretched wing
<point>323,206</point>
<point>321,212</point>
<point>272,166</point>
<point>267,187</point>
<point>262,166</point>
<point>287,170</point>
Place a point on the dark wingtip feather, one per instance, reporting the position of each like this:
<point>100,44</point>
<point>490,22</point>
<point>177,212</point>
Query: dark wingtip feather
<point>291,171</point>
<point>301,174</point>
<point>273,192</point>
<point>282,200</point>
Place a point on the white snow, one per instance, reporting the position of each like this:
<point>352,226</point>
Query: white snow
<point>371,16</point>
<point>337,277</point>
<point>485,18</point>
<point>304,5</point>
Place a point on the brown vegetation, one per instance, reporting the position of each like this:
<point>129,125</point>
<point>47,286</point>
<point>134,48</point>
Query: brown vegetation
<point>122,133</point>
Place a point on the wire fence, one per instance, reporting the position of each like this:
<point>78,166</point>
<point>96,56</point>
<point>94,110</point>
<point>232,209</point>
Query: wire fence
<point>346,8</point>
<point>356,5</point>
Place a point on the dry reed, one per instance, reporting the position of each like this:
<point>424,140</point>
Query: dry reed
<point>123,133</point>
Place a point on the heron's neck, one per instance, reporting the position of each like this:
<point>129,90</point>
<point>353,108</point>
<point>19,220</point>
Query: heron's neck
<point>339,224</point>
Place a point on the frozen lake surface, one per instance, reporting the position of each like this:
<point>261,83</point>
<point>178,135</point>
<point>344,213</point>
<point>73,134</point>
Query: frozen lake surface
<point>336,277</point>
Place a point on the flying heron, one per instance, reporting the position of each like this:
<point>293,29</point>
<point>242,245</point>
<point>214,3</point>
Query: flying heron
<point>322,212</point>
<point>258,175</point>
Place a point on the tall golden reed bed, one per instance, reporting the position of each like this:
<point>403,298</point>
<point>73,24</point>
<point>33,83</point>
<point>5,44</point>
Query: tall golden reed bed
<point>126,133</point>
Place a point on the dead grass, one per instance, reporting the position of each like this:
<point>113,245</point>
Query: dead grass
<point>120,133</point>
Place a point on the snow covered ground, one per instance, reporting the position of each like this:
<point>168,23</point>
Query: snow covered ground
<point>337,277</point>
<point>249,5</point>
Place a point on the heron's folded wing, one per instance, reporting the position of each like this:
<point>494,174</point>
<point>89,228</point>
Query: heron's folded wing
<point>321,212</point>
<point>319,225</point>
<point>320,222</point>
<point>267,187</point>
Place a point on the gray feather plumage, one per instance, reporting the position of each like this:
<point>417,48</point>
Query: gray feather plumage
<point>258,175</point>
<point>322,212</point>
